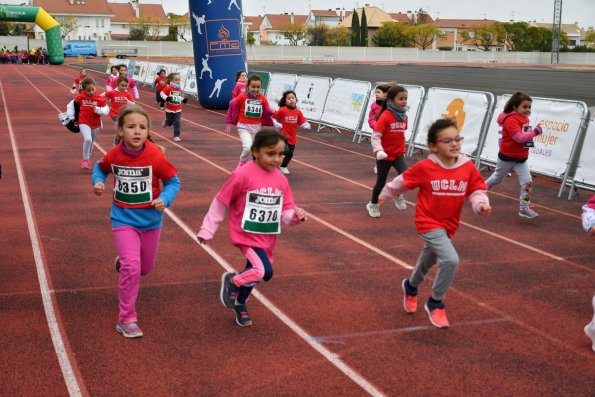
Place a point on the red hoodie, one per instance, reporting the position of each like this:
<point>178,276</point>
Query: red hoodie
<point>516,131</point>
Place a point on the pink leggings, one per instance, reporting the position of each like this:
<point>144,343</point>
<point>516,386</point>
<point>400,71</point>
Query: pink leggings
<point>137,250</point>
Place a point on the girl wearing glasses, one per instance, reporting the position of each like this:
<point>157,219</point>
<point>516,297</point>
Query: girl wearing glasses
<point>445,180</point>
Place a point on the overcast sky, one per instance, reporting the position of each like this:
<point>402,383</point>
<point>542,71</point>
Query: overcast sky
<point>581,11</point>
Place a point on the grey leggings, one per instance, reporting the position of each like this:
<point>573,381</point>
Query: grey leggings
<point>522,170</point>
<point>439,248</point>
<point>89,136</point>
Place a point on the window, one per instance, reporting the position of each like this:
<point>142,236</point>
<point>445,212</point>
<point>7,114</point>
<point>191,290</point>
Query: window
<point>97,23</point>
<point>103,23</point>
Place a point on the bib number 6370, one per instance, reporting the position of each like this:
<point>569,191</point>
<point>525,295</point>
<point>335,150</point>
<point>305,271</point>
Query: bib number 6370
<point>263,215</point>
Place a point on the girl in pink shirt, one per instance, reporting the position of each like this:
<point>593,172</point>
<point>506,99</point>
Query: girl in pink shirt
<point>241,80</point>
<point>259,199</point>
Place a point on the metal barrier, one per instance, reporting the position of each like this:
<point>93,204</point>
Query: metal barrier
<point>584,176</point>
<point>279,83</point>
<point>311,92</point>
<point>345,104</point>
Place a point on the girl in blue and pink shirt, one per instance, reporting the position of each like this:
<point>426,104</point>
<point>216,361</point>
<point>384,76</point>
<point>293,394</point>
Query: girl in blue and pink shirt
<point>259,200</point>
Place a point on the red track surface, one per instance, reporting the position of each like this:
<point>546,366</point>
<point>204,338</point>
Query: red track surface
<point>517,308</point>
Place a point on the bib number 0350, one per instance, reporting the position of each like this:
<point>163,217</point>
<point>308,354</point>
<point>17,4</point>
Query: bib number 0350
<point>133,184</point>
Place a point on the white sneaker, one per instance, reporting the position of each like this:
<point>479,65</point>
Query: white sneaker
<point>590,332</point>
<point>284,170</point>
<point>373,210</point>
<point>400,203</point>
<point>375,169</point>
<point>528,212</point>
<point>177,139</point>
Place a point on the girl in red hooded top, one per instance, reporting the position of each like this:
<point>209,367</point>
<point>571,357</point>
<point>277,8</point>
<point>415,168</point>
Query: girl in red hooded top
<point>517,138</point>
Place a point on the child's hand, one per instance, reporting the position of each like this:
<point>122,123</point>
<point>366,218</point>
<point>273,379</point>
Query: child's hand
<point>485,209</point>
<point>185,100</point>
<point>538,130</point>
<point>381,200</point>
<point>228,128</point>
<point>202,240</point>
<point>381,155</point>
<point>98,188</point>
<point>158,204</point>
<point>301,214</point>
<point>97,110</point>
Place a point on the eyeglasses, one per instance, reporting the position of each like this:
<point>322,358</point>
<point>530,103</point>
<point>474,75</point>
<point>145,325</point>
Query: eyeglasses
<point>449,140</point>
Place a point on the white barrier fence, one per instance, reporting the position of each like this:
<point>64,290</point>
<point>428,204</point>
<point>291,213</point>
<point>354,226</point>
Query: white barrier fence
<point>345,104</point>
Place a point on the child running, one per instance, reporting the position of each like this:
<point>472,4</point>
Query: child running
<point>517,138</point>
<point>76,84</point>
<point>111,79</point>
<point>376,108</point>
<point>588,218</point>
<point>241,80</point>
<point>138,166</point>
<point>91,107</point>
<point>248,110</point>
<point>119,98</point>
<point>259,199</point>
<point>123,71</point>
<point>159,84</point>
<point>287,119</point>
<point>445,179</point>
<point>173,96</point>
<point>388,144</point>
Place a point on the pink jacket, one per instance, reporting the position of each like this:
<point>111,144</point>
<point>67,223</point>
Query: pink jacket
<point>240,86</point>
<point>374,110</point>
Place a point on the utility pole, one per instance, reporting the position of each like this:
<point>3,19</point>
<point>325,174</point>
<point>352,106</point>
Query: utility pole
<point>556,27</point>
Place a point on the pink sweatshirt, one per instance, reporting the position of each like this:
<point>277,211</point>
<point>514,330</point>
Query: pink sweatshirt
<point>374,110</point>
<point>240,86</point>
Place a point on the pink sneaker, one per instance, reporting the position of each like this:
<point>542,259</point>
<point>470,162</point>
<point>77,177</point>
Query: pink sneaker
<point>409,301</point>
<point>85,164</point>
<point>437,317</point>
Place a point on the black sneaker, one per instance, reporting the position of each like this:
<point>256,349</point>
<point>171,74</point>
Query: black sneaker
<point>229,291</point>
<point>242,316</point>
<point>117,264</point>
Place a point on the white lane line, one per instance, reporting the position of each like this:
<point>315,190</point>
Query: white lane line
<point>48,305</point>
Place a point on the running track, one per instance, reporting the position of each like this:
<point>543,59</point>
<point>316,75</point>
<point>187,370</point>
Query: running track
<point>330,322</point>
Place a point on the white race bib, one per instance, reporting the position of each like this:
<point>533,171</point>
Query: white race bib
<point>134,185</point>
<point>253,109</point>
<point>262,213</point>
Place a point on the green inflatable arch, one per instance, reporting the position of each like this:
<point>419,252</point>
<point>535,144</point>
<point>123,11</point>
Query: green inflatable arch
<point>43,20</point>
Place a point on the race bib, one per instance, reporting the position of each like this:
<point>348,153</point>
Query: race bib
<point>175,98</point>
<point>253,108</point>
<point>134,185</point>
<point>262,213</point>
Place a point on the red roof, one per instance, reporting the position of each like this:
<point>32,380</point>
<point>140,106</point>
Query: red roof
<point>461,23</point>
<point>399,17</point>
<point>253,22</point>
<point>125,12</point>
<point>325,13</point>
<point>94,7</point>
<point>280,22</point>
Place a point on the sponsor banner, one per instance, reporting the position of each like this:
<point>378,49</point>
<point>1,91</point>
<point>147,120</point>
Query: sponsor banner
<point>190,85</point>
<point>468,108</point>
<point>560,121</point>
<point>415,95</point>
<point>311,94</point>
<point>585,173</point>
<point>278,84</point>
<point>345,103</point>
<point>140,71</point>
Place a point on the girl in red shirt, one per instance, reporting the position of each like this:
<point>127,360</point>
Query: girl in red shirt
<point>445,180</point>
<point>76,84</point>
<point>173,96</point>
<point>119,97</point>
<point>517,138</point>
<point>159,84</point>
<point>388,144</point>
<point>287,119</point>
<point>92,106</point>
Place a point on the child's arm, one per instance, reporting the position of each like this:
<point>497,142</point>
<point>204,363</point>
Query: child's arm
<point>169,193</point>
<point>526,136</point>
<point>212,220</point>
<point>135,91</point>
<point>588,218</point>
<point>98,179</point>
<point>393,189</point>
<point>294,216</point>
<point>372,117</point>
<point>102,110</point>
<point>377,146</point>
<point>479,202</point>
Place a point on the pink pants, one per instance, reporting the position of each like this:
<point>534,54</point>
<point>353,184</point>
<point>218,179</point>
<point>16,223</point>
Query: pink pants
<point>137,250</point>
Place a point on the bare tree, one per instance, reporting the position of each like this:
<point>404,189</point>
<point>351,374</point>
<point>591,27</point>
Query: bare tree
<point>144,28</point>
<point>294,33</point>
<point>68,25</point>
<point>181,25</point>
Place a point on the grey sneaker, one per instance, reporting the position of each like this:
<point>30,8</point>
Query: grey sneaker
<point>400,203</point>
<point>373,210</point>
<point>130,330</point>
<point>528,212</point>
<point>242,316</point>
<point>229,291</point>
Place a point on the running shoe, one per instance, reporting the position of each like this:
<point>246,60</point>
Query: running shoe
<point>242,316</point>
<point>130,330</point>
<point>400,203</point>
<point>373,210</point>
<point>409,297</point>
<point>437,316</point>
<point>528,212</point>
<point>229,291</point>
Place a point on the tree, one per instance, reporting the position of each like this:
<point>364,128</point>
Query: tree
<point>180,26</point>
<point>423,35</point>
<point>590,38</point>
<point>515,35</point>
<point>250,40</point>
<point>421,17</point>
<point>484,36</point>
<point>391,34</point>
<point>315,35</point>
<point>5,28</point>
<point>337,36</point>
<point>363,30</point>
<point>144,28</point>
<point>68,25</point>
<point>294,33</point>
<point>355,32</point>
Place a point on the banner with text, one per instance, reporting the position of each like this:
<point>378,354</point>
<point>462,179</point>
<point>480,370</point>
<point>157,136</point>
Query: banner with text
<point>345,103</point>
<point>311,94</point>
<point>468,108</point>
<point>190,85</point>
<point>561,122</point>
<point>278,84</point>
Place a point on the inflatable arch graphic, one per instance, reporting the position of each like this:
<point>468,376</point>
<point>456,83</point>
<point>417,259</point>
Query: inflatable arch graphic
<point>219,49</point>
<point>43,20</point>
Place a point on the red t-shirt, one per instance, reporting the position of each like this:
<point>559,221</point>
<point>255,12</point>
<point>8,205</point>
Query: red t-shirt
<point>77,83</point>
<point>176,96</point>
<point>138,176</point>
<point>117,101</point>
<point>251,109</point>
<point>87,105</point>
<point>442,193</point>
<point>393,134</point>
<point>513,123</point>
<point>290,119</point>
<point>160,83</point>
